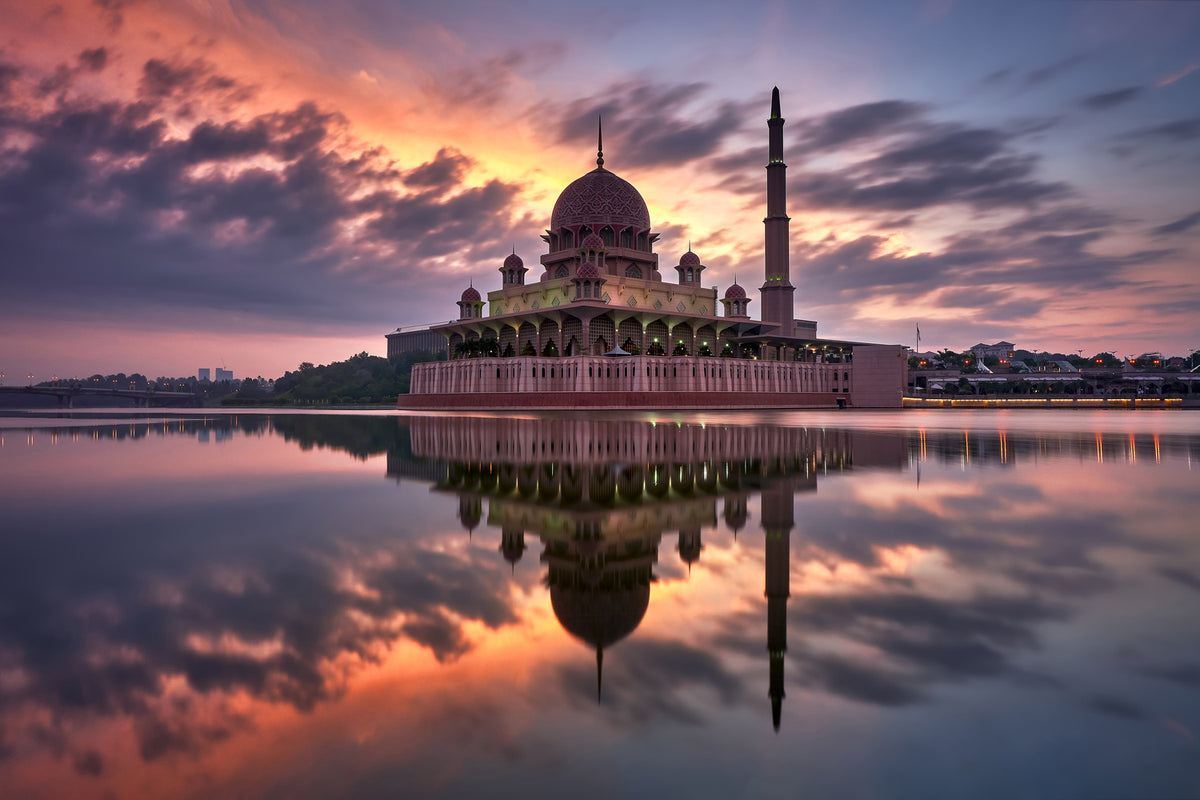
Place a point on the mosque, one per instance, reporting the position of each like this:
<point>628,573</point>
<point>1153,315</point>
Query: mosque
<point>600,328</point>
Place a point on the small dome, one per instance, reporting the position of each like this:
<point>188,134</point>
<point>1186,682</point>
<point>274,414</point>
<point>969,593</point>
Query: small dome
<point>689,259</point>
<point>470,295</point>
<point>513,262</point>
<point>588,270</point>
<point>735,292</point>
<point>592,242</point>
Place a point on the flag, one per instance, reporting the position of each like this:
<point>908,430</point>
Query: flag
<point>918,334</point>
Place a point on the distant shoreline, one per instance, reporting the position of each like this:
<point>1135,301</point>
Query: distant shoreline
<point>1069,403</point>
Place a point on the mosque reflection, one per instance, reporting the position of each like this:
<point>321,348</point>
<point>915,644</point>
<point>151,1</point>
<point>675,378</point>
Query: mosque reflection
<point>599,495</point>
<point>201,589</point>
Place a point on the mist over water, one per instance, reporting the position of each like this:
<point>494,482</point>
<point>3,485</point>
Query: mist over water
<point>863,605</point>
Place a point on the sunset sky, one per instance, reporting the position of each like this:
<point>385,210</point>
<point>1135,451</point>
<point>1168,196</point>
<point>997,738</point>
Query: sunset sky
<point>256,183</point>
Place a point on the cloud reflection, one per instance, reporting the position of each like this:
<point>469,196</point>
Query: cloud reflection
<point>880,591</point>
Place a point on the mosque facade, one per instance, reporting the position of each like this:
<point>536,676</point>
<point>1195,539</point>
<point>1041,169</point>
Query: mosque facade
<point>601,328</point>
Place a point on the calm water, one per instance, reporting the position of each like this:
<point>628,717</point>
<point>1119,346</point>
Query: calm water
<point>975,604</point>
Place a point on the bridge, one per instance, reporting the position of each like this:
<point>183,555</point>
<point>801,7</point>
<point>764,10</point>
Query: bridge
<point>142,398</point>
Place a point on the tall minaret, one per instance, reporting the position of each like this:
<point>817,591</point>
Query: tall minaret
<point>777,291</point>
<point>777,521</point>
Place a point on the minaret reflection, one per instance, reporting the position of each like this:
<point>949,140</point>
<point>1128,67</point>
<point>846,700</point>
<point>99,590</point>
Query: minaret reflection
<point>600,495</point>
<point>777,520</point>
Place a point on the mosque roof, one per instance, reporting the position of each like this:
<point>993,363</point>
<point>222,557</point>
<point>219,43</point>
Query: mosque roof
<point>597,199</point>
<point>470,295</point>
<point>735,292</point>
<point>689,259</point>
<point>592,241</point>
<point>513,262</point>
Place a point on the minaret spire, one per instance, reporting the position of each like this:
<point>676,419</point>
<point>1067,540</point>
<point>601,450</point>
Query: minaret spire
<point>777,290</point>
<point>599,142</point>
<point>599,670</point>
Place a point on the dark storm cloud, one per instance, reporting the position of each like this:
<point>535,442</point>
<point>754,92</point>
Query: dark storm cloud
<point>162,79</point>
<point>59,80</point>
<point>233,214</point>
<point>89,763</point>
<point>965,168</point>
<point>1022,252</point>
<point>444,172</point>
<point>912,162</point>
<point>94,59</point>
<point>1064,218</point>
<point>111,12</point>
<point>648,124</point>
<point>8,76</point>
<point>854,124</point>
<point>1105,100</point>
<point>1180,225</point>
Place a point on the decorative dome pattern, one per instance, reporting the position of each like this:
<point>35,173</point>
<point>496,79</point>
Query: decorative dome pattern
<point>470,295</point>
<point>588,270</point>
<point>735,292</point>
<point>592,242</point>
<point>689,259</point>
<point>597,199</point>
<point>513,262</point>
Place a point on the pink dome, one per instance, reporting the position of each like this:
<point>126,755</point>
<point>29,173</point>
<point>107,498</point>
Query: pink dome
<point>597,199</point>
<point>735,292</point>
<point>592,242</point>
<point>588,270</point>
<point>513,262</point>
<point>689,259</point>
<point>470,295</point>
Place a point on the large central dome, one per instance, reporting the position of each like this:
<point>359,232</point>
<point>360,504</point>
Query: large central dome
<point>597,199</point>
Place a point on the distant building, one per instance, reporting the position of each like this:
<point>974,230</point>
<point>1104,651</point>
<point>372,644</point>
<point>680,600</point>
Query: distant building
<point>224,374</point>
<point>204,374</point>
<point>1001,351</point>
<point>416,340</point>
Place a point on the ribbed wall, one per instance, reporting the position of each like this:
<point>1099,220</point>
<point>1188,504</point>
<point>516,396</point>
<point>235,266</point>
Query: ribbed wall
<point>629,374</point>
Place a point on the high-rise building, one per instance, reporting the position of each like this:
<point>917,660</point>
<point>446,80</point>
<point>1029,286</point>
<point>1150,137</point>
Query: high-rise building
<point>224,374</point>
<point>204,374</point>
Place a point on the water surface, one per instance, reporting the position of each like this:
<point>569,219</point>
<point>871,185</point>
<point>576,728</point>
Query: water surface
<point>941,604</point>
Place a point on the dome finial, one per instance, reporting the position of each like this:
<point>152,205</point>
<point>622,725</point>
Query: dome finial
<point>599,141</point>
<point>775,113</point>
<point>689,245</point>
